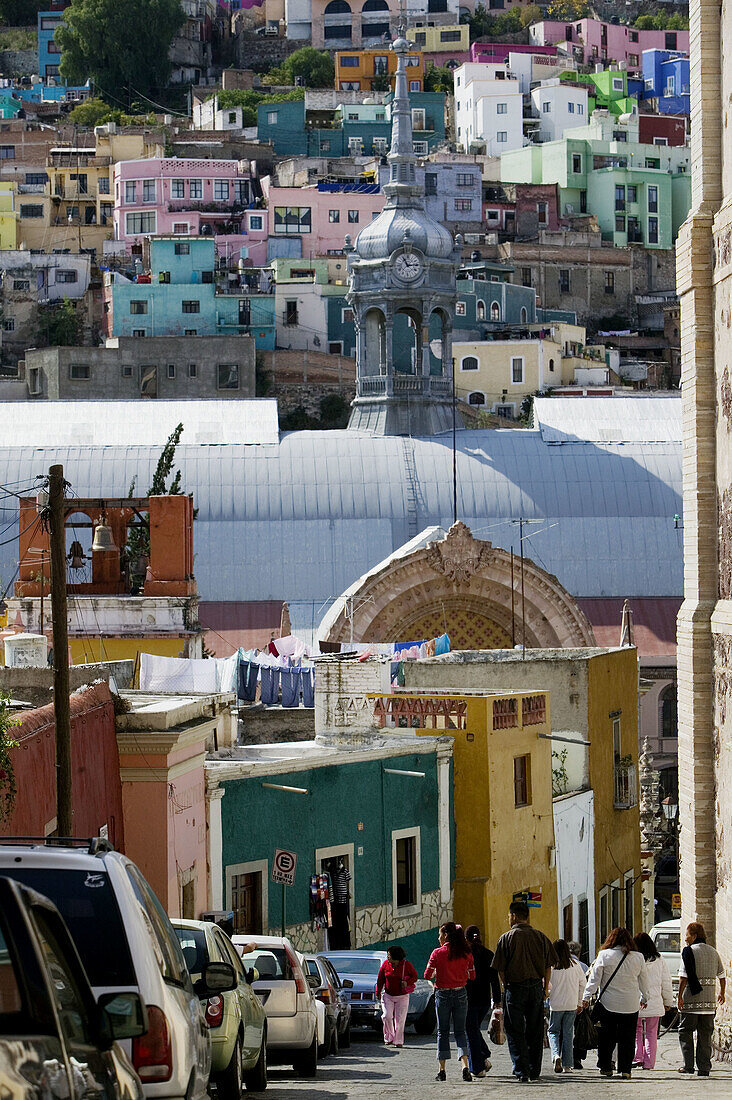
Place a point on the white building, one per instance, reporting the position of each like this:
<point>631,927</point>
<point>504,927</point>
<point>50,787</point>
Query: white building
<point>560,106</point>
<point>207,115</point>
<point>488,109</point>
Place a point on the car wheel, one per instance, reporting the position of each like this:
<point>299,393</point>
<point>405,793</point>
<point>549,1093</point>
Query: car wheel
<point>306,1064</point>
<point>255,1080</point>
<point>229,1083</point>
<point>426,1023</point>
<point>345,1040</point>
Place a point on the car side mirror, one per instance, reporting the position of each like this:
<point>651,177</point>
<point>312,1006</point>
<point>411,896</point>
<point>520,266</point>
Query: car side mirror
<point>252,975</point>
<point>217,977</point>
<point>123,1016</point>
<point>347,983</point>
<point>313,982</point>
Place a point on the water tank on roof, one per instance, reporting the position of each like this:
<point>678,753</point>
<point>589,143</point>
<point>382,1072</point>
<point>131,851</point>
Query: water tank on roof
<point>26,651</point>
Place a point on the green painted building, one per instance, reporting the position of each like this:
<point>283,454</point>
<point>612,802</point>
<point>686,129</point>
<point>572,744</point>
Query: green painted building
<point>607,90</point>
<point>384,810</point>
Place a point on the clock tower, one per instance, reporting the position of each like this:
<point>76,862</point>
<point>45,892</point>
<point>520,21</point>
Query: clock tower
<point>402,270</point>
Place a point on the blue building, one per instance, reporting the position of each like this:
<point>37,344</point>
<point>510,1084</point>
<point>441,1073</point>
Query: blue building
<point>487,301</point>
<point>667,79</point>
<point>49,52</point>
<point>183,294</point>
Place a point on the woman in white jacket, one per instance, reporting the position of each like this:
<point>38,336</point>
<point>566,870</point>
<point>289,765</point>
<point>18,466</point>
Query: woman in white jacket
<point>618,975</point>
<point>565,1000</point>
<point>660,997</point>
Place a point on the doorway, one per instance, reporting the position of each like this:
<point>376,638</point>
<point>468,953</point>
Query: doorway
<point>338,863</point>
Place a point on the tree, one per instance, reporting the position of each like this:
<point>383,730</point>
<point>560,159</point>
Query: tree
<point>313,67</point>
<point>138,537</point>
<point>439,79</point>
<point>20,13</point>
<point>568,9</point>
<point>90,113</point>
<point>60,326</point>
<point>122,45</point>
<point>532,13</point>
<point>7,773</point>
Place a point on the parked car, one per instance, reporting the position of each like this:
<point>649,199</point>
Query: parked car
<point>236,1019</point>
<point>292,1025</point>
<point>56,1039</point>
<point>667,938</point>
<point>362,968</point>
<point>331,992</point>
<point>127,944</point>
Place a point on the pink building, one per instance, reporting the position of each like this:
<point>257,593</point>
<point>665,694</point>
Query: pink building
<point>590,40</point>
<point>320,218</point>
<point>497,52</point>
<point>211,198</point>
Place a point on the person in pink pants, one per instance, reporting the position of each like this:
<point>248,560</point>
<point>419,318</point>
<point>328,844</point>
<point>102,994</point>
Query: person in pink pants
<point>396,980</point>
<point>659,999</point>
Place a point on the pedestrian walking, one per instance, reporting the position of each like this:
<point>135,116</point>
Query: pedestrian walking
<point>698,973</point>
<point>451,966</point>
<point>580,1051</point>
<point>524,958</point>
<point>619,978</point>
<point>484,991</point>
<point>660,998</point>
<point>396,980</point>
<point>566,989</point>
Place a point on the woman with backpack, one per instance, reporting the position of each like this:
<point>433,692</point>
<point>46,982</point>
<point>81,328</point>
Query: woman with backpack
<point>396,980</point>
<point>451,966</point>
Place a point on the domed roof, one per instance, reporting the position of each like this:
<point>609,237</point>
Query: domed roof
<point>395,225</point>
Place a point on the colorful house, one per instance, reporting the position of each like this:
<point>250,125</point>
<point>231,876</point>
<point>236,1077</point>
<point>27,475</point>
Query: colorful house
<point>607,90</point>
<point>447,45</point>
<point>488,109</point>
<point>320,217</point>
<point>358,70</point>
<point>591,41</point>
<point>667,80</point>
<point>49,51</point>
<point>185,290</point>
<point>311,308</point>
<point>8,216</point>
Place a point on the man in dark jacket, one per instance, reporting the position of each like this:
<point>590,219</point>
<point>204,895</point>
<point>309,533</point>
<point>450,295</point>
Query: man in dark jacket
<point>483,992</point>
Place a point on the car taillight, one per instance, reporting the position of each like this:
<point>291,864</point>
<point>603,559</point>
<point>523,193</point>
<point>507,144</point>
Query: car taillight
<point>300,983</point>
<point>324,996</point>
<point>214,1011</point>
<point>152,1055</point>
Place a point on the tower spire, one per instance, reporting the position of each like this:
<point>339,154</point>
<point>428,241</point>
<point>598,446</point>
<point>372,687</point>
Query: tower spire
<point>402,161</point>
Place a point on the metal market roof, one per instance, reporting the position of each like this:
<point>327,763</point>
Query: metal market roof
<point>616,420</point>
<point>302,519</point>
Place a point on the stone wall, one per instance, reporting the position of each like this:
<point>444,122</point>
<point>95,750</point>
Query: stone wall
<point>18,62</point>
<point>260,725</point>
<point>262,52</point>
<point>301,379</point>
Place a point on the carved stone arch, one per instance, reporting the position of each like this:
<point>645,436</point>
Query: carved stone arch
<point>461,586</point>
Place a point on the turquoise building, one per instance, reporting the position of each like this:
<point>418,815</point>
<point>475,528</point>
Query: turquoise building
<point>184,295</point>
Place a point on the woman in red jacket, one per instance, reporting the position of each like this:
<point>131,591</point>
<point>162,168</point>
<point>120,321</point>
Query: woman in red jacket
<point>451,965</point>
<point>395,982</point>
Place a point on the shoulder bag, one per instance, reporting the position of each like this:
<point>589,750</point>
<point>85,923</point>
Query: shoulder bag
<point>595,1014</point>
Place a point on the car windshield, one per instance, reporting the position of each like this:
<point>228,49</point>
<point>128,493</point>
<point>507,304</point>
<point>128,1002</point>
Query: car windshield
<point>87,903</point>
<point>668,943</point>
<point>193,945</point>
<point>272,964</point>
<point>356,964</point>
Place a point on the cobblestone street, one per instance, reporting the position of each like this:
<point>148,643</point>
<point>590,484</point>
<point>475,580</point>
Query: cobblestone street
<point>368,1069</point>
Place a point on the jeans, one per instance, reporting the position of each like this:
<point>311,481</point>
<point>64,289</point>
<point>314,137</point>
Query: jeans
<point>523,1017</point>
<point>561,1036</point>
<point>477,1047</point>
<point>451,1004</point>
<point>616,1029</point>
<point>646,1040</point>
<point>703,1024</point>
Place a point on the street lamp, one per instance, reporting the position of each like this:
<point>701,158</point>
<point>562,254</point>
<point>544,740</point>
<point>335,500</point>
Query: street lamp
<point>670,808</point>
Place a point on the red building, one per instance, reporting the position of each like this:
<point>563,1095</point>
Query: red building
<point>662,129</point>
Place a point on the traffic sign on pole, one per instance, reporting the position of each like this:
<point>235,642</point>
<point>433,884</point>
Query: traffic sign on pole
<point>283,867</point>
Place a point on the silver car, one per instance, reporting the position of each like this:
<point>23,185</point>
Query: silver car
<point>292,1034</point>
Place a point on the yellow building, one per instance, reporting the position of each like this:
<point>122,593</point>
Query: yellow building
<point>499,374</point>
<point>357,69</point>
<point>504,830</point>
<point>8,216</point>
<point>453,37</point>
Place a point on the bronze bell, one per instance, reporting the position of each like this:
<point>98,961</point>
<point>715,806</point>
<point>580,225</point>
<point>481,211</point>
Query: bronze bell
<point>76,555</point>
<point>103,540</point>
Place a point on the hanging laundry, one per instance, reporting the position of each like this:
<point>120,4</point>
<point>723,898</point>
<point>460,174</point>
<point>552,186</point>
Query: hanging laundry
<point>290,679</point>
<point>248,676</point>
<point>307,681</point>
<point>442,644</point>
<point>270,685</point>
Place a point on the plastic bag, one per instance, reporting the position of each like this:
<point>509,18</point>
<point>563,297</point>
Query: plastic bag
<point>496,1030</point>
<point>585,1032</point>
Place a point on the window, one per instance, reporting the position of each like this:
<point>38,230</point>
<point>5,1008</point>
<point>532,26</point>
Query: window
<point>568,921</point>
<point>522,780</point>
<point>130,191</point>
<point>349,61</point>
<point>664,141</point>
<point>430,183</point>
<point>406,871</point>
<point>617,84</point>
<point>577,163</point>
<point>469,363</point>
<point>139,332</point>
<point>564,280</point>
<point>271,118</point>
<point>570,108</point>
<point>450,36</point>
<point>546,107</point>
<point>580,108</point>
<point>653,230</point>
<point>542,211</point>
<point>629,901</point>
<point>292,219</point>
<point>195,189</point>
<point>68,999</point>
<point>353,217</point>
<point>190,332</point>
<point>65,275</point>
<point>492,215</point>
<point>615,904</point>
<point>170,957</point>
<point>138,307</point>
<point>620,135</point>
<point>495,311</point>
<point>171,370</point>
<point>207,276</point>
<point>460,309</point>
<point>517,369</point>
<point>670,41</point>
<point>192,370</point>
<point>232,116</point>
<point>21,284</point>
<point>31,210</point>
<point>191,306</point>
<point>79,371</point>
<point>526,279</point>
<point>413,61</point>
<point>182,248</point>
<point>177,189</point>
<point>609,282</point>
<point>619,197</point>
<point>604,915</point>
<point>633,59</point>
<point>347,316</point>
<point>463,204</point>
<point>653,200</point>
<point>39,178</point>
<point>583,929</point>
<point>617,741</point>
<point>653,162</point>
<point>291,317</point>
<point>465,179</point>
<point>551,366</point>
<point>420,148</point>
<point>227,376</point>
<point>414,86</point>
<point>632,193</point>
<point>619,223</point>
<point>480,310</point>
<point>221,190</point>
<point>325,145</point>
<point>668,713</point>
<point>256,221</point>
<point>140,223</point>
<point>148,190</point>
<point>7,152</point>
<point>502,136</point>
<point>9,324</point>
<point>505,411</point>
<point>181,228</point>
<point>501,108</point>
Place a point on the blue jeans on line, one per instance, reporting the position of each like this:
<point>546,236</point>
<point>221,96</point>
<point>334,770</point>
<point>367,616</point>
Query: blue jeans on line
<point>561,1036</point>
<point>451,1004</point>
<point>523,1017</point>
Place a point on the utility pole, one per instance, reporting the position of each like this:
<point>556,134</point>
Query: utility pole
<point>57,529</point>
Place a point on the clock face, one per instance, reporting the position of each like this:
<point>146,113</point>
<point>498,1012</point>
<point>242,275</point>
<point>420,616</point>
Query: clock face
<point>408,267</point>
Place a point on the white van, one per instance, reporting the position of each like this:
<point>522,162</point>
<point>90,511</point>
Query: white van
<point>126,942</point>
<point>667,938</point>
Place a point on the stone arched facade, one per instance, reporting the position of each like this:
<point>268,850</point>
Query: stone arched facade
<point>462,586</point>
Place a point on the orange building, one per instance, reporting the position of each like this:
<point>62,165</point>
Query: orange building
<point>356,70</point>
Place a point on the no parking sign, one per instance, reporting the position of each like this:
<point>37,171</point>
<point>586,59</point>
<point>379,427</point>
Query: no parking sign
<point>283,867</point>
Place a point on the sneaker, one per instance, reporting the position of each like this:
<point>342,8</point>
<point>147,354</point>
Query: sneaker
<point>441,1076</point>
<point>685,1069</point>
<point>480,1073</point>
<point>557,1065</point>
<point>467,1075</point>
<point>488,1063</point>
<point>606,1073</point>
<point>568,1069</point>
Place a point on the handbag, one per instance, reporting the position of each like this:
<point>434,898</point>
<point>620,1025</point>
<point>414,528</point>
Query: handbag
<point>595,1014</point>
<point>585,1032</point>
<point>408,985</point>
<point>496,1030</point>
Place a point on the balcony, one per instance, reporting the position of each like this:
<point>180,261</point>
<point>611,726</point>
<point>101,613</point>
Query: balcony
<point>625,793</point>
<point>417,384</point>
<point>31,188</point>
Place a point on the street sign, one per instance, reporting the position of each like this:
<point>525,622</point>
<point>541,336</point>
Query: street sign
<point>676,901</point>
<point>531,897</point>
<point>283,867</point>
